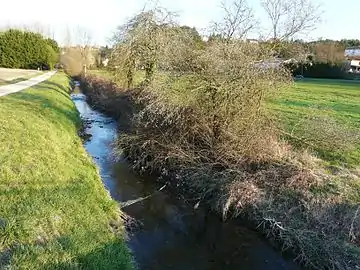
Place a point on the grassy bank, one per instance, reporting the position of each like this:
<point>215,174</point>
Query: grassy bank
<point>54,210</point>
<point>306,200</point>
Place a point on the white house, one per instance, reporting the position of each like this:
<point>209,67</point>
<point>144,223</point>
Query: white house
<point>353,56</point>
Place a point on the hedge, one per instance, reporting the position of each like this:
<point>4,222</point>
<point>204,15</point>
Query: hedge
<point>23,49</point>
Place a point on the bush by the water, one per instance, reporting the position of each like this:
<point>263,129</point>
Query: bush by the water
<point>22,49</point>
<point>200,118</point>
<point>287,194</point>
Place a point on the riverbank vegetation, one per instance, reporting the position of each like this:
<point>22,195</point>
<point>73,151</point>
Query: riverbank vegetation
<point>222,121</point>
<point>54,210</point>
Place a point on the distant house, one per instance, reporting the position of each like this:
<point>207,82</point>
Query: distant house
<point>105,62</point>
<point>254,41</point>
<point>352,55</point>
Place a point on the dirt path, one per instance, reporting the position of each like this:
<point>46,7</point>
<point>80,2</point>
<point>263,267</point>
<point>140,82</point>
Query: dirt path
<point>16,87</point>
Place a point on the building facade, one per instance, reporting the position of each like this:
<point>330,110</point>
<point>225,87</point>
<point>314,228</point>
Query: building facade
<point>353,56</point>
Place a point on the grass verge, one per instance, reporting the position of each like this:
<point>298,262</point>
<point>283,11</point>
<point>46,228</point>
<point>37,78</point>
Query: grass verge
<point>54,211</point>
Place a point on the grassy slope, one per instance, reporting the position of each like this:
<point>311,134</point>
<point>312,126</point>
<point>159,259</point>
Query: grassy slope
<point>335,98</point>
<point>54,210</point>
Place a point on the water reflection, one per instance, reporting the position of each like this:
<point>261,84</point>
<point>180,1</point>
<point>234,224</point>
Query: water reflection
<point>172,234</point>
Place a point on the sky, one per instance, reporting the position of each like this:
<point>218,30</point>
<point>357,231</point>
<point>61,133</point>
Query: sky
<point>101,17</point>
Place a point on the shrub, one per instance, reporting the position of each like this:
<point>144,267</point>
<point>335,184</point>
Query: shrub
<point>21,49</point>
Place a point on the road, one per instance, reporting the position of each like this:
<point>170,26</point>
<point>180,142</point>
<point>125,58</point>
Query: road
<point>16,87</point>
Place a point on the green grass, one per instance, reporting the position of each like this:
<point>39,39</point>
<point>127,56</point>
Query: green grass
<point>337,99</point>
<point>54,211</point>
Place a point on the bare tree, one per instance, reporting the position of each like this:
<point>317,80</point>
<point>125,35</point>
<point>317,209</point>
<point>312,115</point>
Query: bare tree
<point>84,41</point>
<point>67,38</point>
<point>139,43</point>
<point>291,17</point>
<point>238,19</point>
<point>77,56</point>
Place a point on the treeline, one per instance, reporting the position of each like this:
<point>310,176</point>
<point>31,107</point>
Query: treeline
<point>315,59</point>
<point>28,50</point>
<point>318,59</point>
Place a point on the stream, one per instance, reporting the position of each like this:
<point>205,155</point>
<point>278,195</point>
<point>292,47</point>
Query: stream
<point>171,234</point>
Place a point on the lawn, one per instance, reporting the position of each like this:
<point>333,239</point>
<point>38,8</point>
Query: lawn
<point>54,210</point>
<point>333,99</point>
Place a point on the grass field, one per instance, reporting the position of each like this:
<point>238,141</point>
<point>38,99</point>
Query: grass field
<point>54,210</point>
<point>334,99</point>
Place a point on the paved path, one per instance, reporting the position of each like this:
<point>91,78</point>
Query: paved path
<point>16,87</point>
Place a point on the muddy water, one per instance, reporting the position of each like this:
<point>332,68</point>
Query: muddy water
<point>170,233</point>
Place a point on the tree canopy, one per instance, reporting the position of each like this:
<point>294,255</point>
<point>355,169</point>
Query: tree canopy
<point>29,50</point>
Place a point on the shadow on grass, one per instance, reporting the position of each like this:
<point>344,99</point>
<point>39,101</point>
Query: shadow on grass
<point>49,85</point>
<point>111,256</point>
<point>6,82</point>
<point>332,82</point>
<point>38,103</point>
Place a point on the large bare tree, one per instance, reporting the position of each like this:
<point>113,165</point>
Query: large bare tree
<point>238,19</point>
<point>291,17</point>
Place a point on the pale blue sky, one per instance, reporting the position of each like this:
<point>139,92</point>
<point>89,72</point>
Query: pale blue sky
<point>339,19</point>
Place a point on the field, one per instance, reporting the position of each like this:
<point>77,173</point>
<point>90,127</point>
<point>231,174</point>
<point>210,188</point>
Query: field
<point>9,76</point>
<point>54,210</point>
<point>323,99</point>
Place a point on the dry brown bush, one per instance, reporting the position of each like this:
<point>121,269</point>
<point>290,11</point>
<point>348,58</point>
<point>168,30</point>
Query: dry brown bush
<point>292,198</point>
<point>201,120</point>
<point>72,63</point>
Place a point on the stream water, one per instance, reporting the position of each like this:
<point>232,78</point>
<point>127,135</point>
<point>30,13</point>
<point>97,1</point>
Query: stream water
<point>172,234</point>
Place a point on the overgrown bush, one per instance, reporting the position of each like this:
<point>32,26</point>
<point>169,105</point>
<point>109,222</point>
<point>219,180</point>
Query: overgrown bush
<point>200,120</point>
<point>290,197</point>
<point>21,49</point>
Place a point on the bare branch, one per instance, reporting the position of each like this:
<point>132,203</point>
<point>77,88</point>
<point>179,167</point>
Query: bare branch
<point>291,17</point>
<point>238,20</point>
